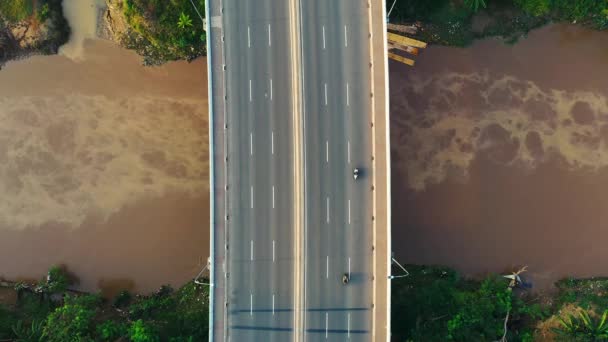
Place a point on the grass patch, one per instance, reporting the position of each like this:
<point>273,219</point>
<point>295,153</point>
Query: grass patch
<point>164,30</point>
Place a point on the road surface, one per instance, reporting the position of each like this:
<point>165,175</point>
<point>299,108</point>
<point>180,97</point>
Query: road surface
<point>257,282</point>
<point>260,283</point>
<point>335,38</point>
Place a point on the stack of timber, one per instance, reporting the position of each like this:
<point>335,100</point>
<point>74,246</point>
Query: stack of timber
<point>398,43</point>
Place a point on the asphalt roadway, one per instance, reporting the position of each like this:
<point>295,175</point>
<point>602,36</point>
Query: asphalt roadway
<point>335,38</point>
<point>260,139</point>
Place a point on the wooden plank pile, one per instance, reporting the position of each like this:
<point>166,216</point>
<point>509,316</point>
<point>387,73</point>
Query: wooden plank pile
<point>399,45</point>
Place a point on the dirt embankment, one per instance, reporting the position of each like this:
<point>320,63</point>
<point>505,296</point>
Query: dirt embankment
<point>112,22</point>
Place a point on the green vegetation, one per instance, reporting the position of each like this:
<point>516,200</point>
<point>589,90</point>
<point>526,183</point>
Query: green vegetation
<point>459,22</point>
<point>159,30</point>
<point>583,327</point>
<point>16,10</point>
<point>13,11</point>
<point>73,321</point>
<point>162,30</point>
<point>475,5</point>
<point>46,27</point>
<point>437,304</point>
<point>431,304</point>
<point>47,311</point>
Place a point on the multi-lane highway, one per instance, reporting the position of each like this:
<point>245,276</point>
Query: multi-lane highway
<point>291,101</point>
<point>260,149</point>
<point>335,40</point>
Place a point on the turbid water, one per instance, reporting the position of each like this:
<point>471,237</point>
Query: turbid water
<point>103,166</point>
<point>500,155</point>
<point>83,18</point>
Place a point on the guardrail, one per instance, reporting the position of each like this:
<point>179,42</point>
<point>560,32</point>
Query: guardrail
<point>211,173</point>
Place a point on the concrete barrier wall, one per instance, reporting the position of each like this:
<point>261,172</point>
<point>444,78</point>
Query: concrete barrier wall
<point>217,165</point>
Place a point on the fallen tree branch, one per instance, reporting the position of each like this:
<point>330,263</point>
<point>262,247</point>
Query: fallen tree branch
<point>504,335</point>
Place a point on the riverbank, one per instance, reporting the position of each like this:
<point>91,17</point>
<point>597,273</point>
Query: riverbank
<point>31,28</point>
<point>429,304</point>
<point>439,304</point>
<point>159,31</point>
<point>46,310</point>
<point>460,23</point>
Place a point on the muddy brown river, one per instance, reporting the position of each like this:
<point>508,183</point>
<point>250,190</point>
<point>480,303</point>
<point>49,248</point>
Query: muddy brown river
<point>500,158</point>
<point>500,155</point>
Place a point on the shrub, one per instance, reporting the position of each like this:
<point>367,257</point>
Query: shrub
<point>122,299</point>
<point>579,9</point>
<point>57,280</point>
<point>72,322</point>
<point>43,13</point>
<point>29,333</point>
<point>7,320</point>
<point>534,7</point>
<point>481,313</point>
<point>142,332</point>
<point>475,5</point>
<point>164,30</point>
<point>111,330</point>
<point>583,327</point>
<point>436,304</point>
